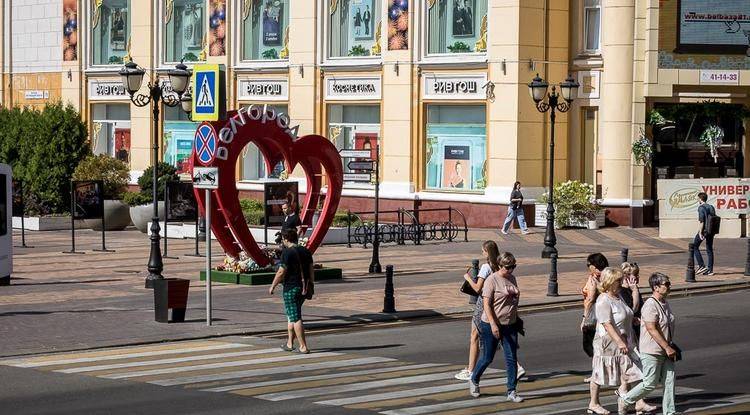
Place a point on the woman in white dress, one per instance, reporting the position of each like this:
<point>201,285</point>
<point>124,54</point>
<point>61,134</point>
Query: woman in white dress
<point>615,362</point>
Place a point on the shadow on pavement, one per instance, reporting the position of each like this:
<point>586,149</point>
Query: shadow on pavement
<point>360,348</point>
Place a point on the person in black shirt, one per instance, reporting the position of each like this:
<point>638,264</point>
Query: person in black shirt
<point>297,275</point>
<point>515,210</point>
<point>291,221</point>
<point>704,210</point>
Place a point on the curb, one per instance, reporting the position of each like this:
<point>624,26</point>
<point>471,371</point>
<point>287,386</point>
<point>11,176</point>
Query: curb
<point>385,320</point>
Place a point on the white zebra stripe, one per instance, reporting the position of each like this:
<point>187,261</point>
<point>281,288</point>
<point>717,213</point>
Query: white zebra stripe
<point>27,363</point>
<point>351,387</point>
<point>168,361</point>
<point>249,362</point>
<point>270,371</point>
<point>322,377</point>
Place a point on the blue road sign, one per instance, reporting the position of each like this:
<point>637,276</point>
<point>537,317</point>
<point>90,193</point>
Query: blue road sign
<point>205,143</point>
<point>206,97</point>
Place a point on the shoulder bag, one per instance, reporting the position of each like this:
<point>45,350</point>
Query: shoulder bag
<point>467,289</point>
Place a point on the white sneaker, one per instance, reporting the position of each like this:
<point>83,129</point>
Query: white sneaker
<point>701,270</point>
<point>504,231</point>
<point>526,232</point>
<point>464,375</point>
<point>513,397</point>
<point>473,389</point>
<point>521,372</point>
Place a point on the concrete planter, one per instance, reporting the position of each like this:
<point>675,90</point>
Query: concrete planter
<point>116,217</point>
<point>45,223</point>
<point>540,219</point>
<point>142,215</point>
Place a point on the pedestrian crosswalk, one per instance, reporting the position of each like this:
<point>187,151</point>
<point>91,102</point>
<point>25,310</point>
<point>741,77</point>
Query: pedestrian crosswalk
<point>329,378</point>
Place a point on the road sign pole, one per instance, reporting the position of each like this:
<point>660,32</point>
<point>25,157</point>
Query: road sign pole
<point>375,263</point>
<point>208,257</point>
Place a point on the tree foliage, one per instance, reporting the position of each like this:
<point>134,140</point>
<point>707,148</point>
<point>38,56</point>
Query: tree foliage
<point>114,173</point>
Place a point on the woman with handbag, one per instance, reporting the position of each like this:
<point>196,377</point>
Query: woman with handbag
<point>657,351</point>
<point>500,324</point>
<point>296,272</point>
<point>615,362</point>
<point>490,252</point>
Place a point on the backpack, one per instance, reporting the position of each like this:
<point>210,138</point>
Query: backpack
<point>712,226</point>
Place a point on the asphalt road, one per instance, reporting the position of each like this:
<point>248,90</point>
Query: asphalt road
<point>403,369</point>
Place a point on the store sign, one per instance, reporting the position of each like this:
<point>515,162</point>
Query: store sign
<point>455,86</point>
<point>679,197</point>
<point>263,90</point>
<point>712,77</point>
<point>107,90</point>
<point>352,89</point>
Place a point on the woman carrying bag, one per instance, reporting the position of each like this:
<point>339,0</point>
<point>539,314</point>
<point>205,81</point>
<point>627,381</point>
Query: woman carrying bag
<point>657,351</point>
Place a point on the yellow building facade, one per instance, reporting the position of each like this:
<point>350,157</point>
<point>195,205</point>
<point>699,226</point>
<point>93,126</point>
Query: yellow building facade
<point>439,85</point>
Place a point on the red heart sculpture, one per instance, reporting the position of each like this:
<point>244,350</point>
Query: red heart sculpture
<point>273,137</point>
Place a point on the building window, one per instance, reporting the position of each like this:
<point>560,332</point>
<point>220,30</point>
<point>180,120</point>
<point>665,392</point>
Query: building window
<point>179,133</point>
<point>355,127</point>
<point>456,147</point>
<point>253,162</point>
<point>264,30</point>
<point>456,26</point>
<point>110,31</point>
<point>184,30</point>
<point>111,130</point>
<point>353,28</point>
<point>592,16</point>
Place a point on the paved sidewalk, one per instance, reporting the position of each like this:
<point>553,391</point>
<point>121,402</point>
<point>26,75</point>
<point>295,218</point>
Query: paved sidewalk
<point>64,302</point>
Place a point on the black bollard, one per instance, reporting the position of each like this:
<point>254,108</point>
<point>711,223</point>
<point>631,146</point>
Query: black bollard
<point>552,283</point>
<point>389,303</point>
<point>747,259</point>
<point>623,255</point>
<point>473,272</point>
<point>690,273</point>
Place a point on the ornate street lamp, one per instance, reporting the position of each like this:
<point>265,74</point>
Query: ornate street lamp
<point>538,91</point>
<point>132,78</point>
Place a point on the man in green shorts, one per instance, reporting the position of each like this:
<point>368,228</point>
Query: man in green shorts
<point>296,273</point>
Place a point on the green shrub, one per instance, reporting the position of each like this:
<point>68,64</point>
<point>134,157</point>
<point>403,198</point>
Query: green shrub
<point>251,204</point>
<point>340,220</point>
<point>252,210</point>
<point>572,200</point>
<point>166,173</point>
<point>135,199</point>
<point>114,173</point>
<point>43,147</point>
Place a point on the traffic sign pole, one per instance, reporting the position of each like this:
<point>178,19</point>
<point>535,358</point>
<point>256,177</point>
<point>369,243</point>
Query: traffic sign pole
<point>208,257</point>
<point>375,263</point>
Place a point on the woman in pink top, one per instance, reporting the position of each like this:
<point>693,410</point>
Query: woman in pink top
<point>499,324</point>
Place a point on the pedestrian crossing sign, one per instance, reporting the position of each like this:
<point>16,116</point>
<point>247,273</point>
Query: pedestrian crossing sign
<point>208,92</point>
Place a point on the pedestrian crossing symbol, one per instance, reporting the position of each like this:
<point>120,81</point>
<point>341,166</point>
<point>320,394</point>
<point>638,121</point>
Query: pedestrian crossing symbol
<point>208,85</point>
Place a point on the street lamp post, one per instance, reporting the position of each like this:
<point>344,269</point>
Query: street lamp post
<point>132,77</point>
<point>538,90</point>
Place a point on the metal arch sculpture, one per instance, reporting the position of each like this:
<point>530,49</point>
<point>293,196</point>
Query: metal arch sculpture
<point>276,140</point>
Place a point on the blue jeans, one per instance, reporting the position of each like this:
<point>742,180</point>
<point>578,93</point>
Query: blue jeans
<point>489,343</point>
<point>513,214</point>
<point>709,251</point>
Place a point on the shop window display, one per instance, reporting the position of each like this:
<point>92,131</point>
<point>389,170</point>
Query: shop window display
<point>265,33</point>
<point>456,26</point>
<point>185,31</point>
<point>110,28</point>
<point>179,133</point>
<point>253,163</point>
<point>111,130</point>
<point>354,28</point>
<point>456,147</point>
<point>354,127</point>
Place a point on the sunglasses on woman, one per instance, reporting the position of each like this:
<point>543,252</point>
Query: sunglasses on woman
<point>667,284</point>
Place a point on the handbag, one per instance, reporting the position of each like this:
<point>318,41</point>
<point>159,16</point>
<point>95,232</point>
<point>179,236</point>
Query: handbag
<point>677,350</point>
<point>467,289</point>
<point>518,325</point>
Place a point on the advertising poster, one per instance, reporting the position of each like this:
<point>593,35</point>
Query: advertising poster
<point>18,208</point>
<point>117,27</point>
<point>366,141</point>
<point>272,17</point>
<point>178,138</point>
<point>398,25</point>
<point>70,30</point>
<point>457,167</point>
<point>714,22</point>
<point>678,198</point>
<point>182,205</point>
<point>276,194</point>
<point>463,18</point>
<point>88,199</point>
<point>361,19</point>
<point>218,27</point>
<point>122,144</point>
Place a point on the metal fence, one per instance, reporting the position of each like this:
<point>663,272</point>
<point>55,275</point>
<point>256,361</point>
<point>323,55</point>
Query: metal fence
<point>406,227</point>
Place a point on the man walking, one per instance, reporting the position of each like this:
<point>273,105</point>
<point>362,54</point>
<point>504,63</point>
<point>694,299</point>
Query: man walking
<point>706,232</point>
